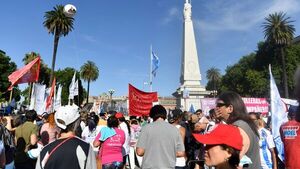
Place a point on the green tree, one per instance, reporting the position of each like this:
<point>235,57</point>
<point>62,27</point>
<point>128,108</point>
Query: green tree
<point>279,32</point>
<point>6,68</point>
<point>30,57</point>
<point>64,78</point>
<point>89,72</point>
<point>214,77</point>
<point>250,75</point>
<point>58,24</point>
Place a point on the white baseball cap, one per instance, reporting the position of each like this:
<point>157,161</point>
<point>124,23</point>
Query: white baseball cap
<point>68,114</point>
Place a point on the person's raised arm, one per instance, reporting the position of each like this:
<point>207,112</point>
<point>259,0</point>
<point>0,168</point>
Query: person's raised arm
<point>246,142</point>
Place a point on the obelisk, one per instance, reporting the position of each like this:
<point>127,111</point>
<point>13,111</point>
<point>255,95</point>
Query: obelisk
<point>190,71</point>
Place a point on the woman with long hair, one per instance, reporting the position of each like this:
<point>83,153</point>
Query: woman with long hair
<point>50,128</point>
<point>232,110</point>
<point>90,131</point>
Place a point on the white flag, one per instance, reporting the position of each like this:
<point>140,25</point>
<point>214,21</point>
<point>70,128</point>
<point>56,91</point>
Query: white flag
<point>57,102</point>
<point>278,115</point>
<point>72,87</point>
<point>76,88</point>
<point>32,99</point>
<point>39,92</point>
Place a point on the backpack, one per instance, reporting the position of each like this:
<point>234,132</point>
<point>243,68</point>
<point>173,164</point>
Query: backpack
<point>8,142</point>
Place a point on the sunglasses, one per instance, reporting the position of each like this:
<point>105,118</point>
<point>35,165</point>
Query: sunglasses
<point>221,104</point>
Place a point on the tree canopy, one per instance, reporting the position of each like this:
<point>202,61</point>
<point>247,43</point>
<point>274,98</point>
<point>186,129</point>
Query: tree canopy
<point>6,68</point>
<point>64,78</point>
<point>250,76</point>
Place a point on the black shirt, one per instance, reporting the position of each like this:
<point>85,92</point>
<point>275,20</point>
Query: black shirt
<point>67,153</point>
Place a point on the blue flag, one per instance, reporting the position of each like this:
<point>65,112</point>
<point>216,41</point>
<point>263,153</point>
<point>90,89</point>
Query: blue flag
<point>278,116</point>
<point>155,63</point>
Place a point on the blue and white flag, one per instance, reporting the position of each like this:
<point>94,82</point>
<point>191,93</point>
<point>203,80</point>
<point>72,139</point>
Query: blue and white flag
<point>278,115</point>
<point>155,63</point>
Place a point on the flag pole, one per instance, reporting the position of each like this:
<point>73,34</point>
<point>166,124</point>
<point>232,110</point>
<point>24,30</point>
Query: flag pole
<point>54,98</point>
<point>30,91</point>
<point>11,93</point>
<point>78,95</point>
<point>150,68</point>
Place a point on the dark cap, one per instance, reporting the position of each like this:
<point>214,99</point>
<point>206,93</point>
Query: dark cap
<point>292,111</point>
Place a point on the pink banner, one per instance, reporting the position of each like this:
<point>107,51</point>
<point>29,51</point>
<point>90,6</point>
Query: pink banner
<point>256,104</point>
<point>252,104</point>
<point>207,104</point>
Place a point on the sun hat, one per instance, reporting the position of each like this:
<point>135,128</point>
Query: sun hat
<point>222,134</point>
<point>66,115</point>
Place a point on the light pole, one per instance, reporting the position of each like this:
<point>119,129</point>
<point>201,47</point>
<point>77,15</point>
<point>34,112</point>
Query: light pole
<point>111,92</point>
<point>214,93</point>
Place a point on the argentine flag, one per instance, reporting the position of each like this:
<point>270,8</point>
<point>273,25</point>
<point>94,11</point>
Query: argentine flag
<point>155,63</point>
<point>278,115</point>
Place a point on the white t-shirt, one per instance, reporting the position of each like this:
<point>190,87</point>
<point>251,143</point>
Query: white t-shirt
<point>89,137</point>
<point>266,142</point>
<point>126,144</point>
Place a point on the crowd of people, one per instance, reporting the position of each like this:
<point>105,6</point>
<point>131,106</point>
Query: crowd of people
<point>227,138</point>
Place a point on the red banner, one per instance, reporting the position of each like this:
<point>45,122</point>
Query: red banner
<point>51,94</point>
<point>140,102</point>
<point>29,73</point>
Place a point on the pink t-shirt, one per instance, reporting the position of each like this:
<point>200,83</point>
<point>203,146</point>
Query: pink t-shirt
<point>111,149</point>
<point>52,131</point>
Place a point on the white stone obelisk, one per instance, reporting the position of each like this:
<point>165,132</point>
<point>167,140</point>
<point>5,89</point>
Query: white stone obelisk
<point>190,71</point>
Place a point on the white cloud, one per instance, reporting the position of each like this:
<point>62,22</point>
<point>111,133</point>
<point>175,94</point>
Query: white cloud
<point>244,15</point>
<point>173,13</point>
<point>89,38</point>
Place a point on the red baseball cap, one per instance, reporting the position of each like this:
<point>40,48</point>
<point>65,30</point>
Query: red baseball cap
<point>119,115</point>
<point>222,134</point>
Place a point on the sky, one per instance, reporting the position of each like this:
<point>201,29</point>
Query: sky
<point>117,34</point>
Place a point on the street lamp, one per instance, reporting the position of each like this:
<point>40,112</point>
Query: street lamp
<point>111,92</point>
<point>214,93</point>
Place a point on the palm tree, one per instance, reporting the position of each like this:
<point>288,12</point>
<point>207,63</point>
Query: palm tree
<point>279,32</point>
<point>58,24</point>
<point>30,57</point>
<point>213,74</point>
<point>89,72</point>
